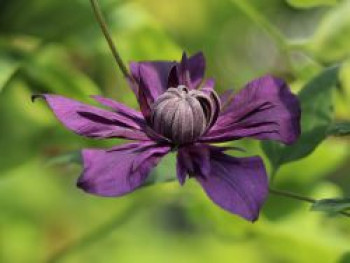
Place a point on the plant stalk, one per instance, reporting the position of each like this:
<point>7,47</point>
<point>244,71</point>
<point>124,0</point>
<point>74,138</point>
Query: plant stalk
<point>103,25</point>
<point>300,198</point>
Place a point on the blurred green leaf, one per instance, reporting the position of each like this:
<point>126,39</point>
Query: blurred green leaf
<point>331,205</point>
<point>141,27</point>
<point>316,116</point>
<point>339,129</point>
<point>8,67</point>
<point>164,172</point>
<point>67,158</point>
<point>52,71</point>
<point>331,41</point>
<point>310,3</point>
<point>49,20</point>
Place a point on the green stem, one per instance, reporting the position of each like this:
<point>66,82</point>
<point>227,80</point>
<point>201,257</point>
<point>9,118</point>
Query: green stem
<point>292,195</point>
<point>299,197</point>
<point>103,25</point>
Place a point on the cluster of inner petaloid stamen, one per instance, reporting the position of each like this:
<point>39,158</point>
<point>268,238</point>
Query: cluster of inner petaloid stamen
<point>182,115</point>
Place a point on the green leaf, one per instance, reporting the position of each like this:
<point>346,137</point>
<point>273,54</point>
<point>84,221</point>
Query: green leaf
<point>316,116</point>
<point>310,3</point>
<point>331,41</point>
<point>339,129</point>
<point>331,205</point>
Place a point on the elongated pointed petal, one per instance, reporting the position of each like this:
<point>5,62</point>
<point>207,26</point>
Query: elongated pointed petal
<point>264,109</point>
<point>119,107</point>
<point>116,172</point>
<point>189,72</point>
<point>132,117</point>
<point>93,122</point>
<point>196,66</point>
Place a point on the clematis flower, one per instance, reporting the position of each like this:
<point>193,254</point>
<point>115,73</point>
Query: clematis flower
<point>181,111</point>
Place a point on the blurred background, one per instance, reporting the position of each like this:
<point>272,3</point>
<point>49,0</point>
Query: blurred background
<point>56,46</point>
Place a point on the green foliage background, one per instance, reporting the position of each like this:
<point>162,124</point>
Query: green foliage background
<point>56,46</point>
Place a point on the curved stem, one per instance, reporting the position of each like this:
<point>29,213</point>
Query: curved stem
<point>300,198</point>
<point>103,25</point>
<point>292,195</point>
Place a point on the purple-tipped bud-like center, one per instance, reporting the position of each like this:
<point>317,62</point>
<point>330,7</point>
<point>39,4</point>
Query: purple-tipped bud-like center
<point>183,115</point>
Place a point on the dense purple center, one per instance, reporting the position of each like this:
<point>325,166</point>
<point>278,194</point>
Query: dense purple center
<point>183,115</point>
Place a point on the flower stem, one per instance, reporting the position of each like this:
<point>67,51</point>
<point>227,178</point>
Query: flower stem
<point>292,195</point>
<point>103,25</point>
<point>300,198</point>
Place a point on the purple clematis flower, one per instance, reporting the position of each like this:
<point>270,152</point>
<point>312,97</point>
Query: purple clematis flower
<point>181,111</point>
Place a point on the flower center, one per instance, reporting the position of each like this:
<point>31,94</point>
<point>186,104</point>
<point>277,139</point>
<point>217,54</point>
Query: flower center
<point>183,115</point>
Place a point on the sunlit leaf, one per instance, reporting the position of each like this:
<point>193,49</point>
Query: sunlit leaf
<point>310,3</point>
<point>339,129</point>
<point>316,116</point>
<point>331,205</point>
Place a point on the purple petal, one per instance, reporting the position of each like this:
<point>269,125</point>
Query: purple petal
<point>181,168</point>
<point>173,79</point>
<point>189,72</point>
<point>153,74</point>
<point>196,66</point>
<point>193,160</point>
<point>145,101</point>
<point>264,109</point>
<point>184,72</point>
<point>226,98</point>
<point>131,116</point>
<point>208,86</point>
<point>117,172</point>
<point>94,122</point>
<point>119,107</point>
<point>238,185</point>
